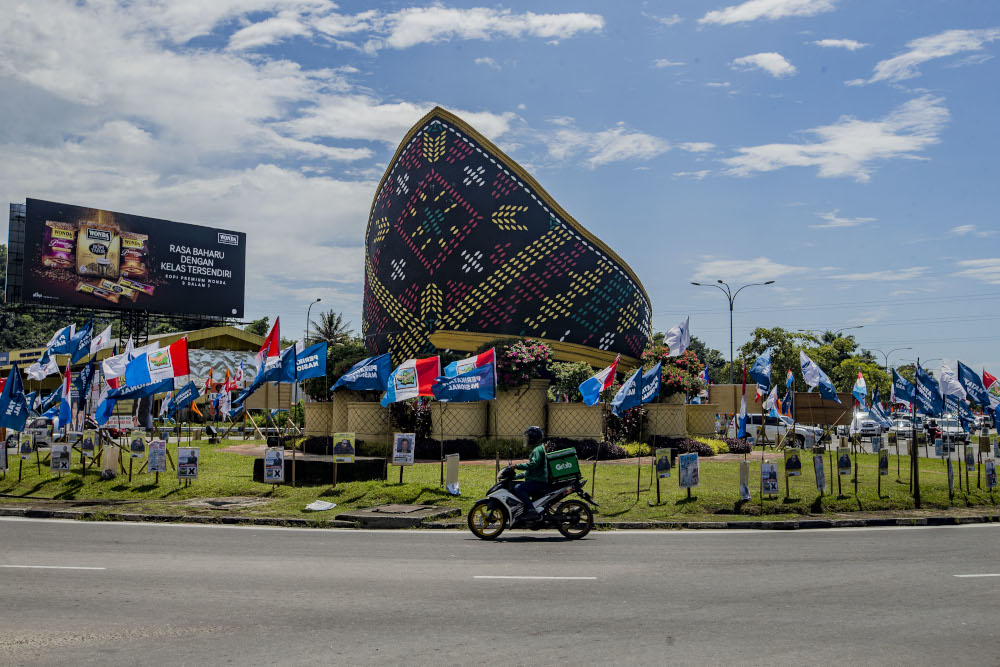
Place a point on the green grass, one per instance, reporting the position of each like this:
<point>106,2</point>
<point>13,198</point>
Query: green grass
<point>225,474</point>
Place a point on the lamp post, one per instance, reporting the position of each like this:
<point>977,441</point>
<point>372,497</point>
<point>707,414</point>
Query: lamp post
<point>886,354</point>
<point>731,296</point>
<point>306,339</point>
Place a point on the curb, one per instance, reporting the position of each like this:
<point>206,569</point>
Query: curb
<point>28,513</point>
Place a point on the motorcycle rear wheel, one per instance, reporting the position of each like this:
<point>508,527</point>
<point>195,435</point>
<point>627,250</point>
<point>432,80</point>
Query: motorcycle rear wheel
<point>486,523</point>
<point>574,519</point>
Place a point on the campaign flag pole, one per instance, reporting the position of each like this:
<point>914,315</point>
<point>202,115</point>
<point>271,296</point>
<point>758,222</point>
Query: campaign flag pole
<point>914,463</point>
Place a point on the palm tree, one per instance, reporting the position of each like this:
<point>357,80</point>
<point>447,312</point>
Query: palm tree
<point>331,328</point>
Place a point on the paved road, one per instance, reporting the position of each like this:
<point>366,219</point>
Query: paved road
<point>176,594</point>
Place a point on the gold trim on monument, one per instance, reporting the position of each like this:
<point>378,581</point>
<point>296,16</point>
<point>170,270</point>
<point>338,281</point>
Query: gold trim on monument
<point>467,341</point>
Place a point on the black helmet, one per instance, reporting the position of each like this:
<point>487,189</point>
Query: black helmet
<point>533,435</point>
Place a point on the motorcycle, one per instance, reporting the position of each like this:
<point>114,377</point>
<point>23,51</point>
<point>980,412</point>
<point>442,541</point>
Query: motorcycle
<point>501,509</point>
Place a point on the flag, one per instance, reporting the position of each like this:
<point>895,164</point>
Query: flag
<point>31,398</point>
<point>814,376</point>
<point>13,402</point>
<point>629,395</point>
<point>164,364</point>
<point>704,376</point>
<point>105,406</point>
<point>412,378</point>
<point>902,390</point>
<point>965,416</point>
<point>975,390</point>
<point>229,384</point>
<point>238,377</point>
<point>101,341</point>
<point>80,342</point>
<point>678,338</point>
<point>84,379</point>
<point>878,411</point>
<point>194,409</point>
<point>651,383</point>
<point>787,405</point>
<point>44,367</point>
<point>66,399</point>
<point>270,352</point>
<point>311,362</point>
<point>50,400</point>
<point>928,394</point>
<point>114,366</point>
<point>591,389</point>
<point>761,373</point>
<point>860,390</point>
<point>284,371</point>
<point>467,364</point>
<point>371,373</point>
<point>477,384</point>
<point>166,406</point>
<point>61,341</point>
<point>185,396</point>
<point>950,386</point>
<point>771,404</point>
<point>741,432</point>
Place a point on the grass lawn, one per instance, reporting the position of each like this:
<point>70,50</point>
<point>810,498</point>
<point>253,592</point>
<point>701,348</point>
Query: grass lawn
<point>226,474</point>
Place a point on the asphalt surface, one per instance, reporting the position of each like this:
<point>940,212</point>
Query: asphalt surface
<point>184,595</point>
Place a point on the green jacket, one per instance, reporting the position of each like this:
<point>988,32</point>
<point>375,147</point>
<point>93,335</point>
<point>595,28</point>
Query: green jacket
<point>534,469</point>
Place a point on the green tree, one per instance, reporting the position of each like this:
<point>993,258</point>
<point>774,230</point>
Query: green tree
<point>847,374</point>
<point>566,379</point>
<point>258,327</point>
<point>785,346</point>
<point>331,328</point>
<point>712,359</point>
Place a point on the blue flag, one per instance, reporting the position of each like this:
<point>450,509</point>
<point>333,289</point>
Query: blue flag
<point>368,374</point>
<point>311,362</point>
<point>143,389</point>
<point>630,394</point>
<point>185,396</point>
<point>286,368</point>
<point>902,388</point>
<point>479,384</point>
<point>651,383</point>
<point>30,400</point>
<point>80,342</point>
<point>973,385</point>
<point>928,394</point>
<point>50,400</point>
<point>61,341</point>
<point>761,373</point>
<point>13,403</point>
<point>84,379</point>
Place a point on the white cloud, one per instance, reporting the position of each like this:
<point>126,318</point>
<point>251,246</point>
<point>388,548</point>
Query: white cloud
<point>696,175</point>
<point>489,62</point>
<point>849,44</point>
<point>616,144</point>
<point>851,147</point>
<point>758,269</point>
<point>774,64</point>
<point>753,10</point>
<point>668,21</point>
<point>923,49</point>
<point>718,84</point>
<point>833,221</point>
<point>696,146</point>
<point>661,63</point>
<point>972,230</point>
<point>268,31</point>
<point>985,270</point>
<point>886,275</point>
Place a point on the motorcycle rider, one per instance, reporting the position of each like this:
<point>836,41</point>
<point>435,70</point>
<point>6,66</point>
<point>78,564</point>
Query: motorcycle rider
<point>535,475</point>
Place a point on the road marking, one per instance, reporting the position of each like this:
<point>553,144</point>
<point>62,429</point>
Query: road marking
<point>52,567</point>
<point>963,576</point>
<point>497,576</point>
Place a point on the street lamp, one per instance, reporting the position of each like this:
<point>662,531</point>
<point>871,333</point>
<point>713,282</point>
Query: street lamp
<point>306,339</point>
<point>731,296</point>
<point>886,354</point>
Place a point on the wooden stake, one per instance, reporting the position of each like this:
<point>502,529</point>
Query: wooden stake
<point>401,474</point>
<point>638,476</point>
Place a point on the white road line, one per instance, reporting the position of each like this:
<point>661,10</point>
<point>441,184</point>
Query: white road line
<point>520,577</point>
<point>964,576</point>
<point>52,567</point>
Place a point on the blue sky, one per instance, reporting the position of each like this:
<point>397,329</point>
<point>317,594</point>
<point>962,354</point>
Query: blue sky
<point>845,149</point>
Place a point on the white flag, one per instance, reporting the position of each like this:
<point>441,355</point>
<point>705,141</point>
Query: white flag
<point>101,341</point>
<point>678,338</point>
<point>114,367</point>
<point>950,386</point>
<point>811,373</point>
<point>40,371</point>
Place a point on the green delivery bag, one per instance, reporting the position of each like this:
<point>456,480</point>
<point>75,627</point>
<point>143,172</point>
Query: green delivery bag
<point>562,465</point>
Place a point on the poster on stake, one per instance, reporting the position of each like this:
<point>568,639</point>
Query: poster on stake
<point>744,480</point>
<point>970,460</point>
<point>59,458</point>
<point>991,474</point>
<point>663,463</point>
<point>820,472</point>
<point>793,462</point>
<point>25,445</point>
<point>403,448</point>
<point>187,462</point>
<point>157,456</point>
<point>88,443</point>
<point>343,448</point>
<point>3,457</point>
<point>137,446</point>
<point>883,462</point>
<point>769,478</point>
<point>689,469</point>
<point>274,465</point>
<point>844,460</point>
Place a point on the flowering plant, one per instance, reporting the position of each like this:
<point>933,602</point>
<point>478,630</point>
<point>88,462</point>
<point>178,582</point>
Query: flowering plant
<point>678,375</point>
<point>519,360</point>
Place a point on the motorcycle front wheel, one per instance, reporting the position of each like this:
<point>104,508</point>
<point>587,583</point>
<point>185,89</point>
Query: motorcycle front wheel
<point>574,519</point>
<point>486,523</point>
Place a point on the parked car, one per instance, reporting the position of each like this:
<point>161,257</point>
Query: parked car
<point>866,427</point>
<point>775,429</point>
<point>902,428</point>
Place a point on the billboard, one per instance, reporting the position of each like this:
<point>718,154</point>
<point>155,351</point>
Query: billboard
<point>78,256</point>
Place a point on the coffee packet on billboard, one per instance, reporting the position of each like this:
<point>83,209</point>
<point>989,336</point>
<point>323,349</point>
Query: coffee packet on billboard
<point>134,253</point>
<point>60,245</point>
<point>107,295</point>
<point>137,286</point>
<point>118,289</point>
<point>98,251</point>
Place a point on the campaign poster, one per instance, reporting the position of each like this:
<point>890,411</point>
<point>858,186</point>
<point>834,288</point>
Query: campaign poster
<point>187,462</point>
<point>403,446</point>
<point>991,474</point>
<point>689,468</point>
<point>80,256</point>
<point>42,435</point>
<point>663,463</point>
<point>820,472</point>
<point>343,447</point>
<point>844,460</point>
<point>157,456</point>
<point>88,443</point>
<point>137,445</point>
<point>25,445</point>
<point>59,458</point>
<point>793,462</point>
<point>883,462</point>
<point>274,465</point>
<point>951,478</point>
<point>769,478</point>
<point>876,444</point>
<point>970,460</point>
<point>744,480</point>
<point>3,457</point>
<point>939,448</point>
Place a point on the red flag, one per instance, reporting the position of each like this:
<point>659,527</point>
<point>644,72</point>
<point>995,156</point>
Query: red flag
<point>270,352</point>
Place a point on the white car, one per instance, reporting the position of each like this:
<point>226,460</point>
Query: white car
<point>775,429</point>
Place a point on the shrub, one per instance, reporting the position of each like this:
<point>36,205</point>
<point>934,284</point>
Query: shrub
<point>683,445</point>
<point>587,449</point>
<point>566,380</point>
<point>634,449</point>
<point>628,427</point>
<point>743,446</point>
<point>519,360</point>
<point>718,446</point>
<point>679,375</point>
